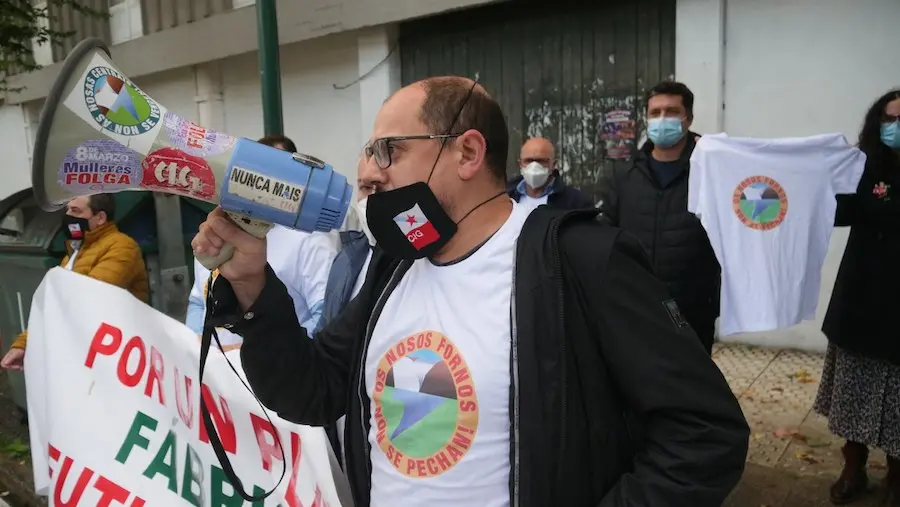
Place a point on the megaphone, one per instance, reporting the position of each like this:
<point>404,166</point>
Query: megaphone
<point>100,133</point>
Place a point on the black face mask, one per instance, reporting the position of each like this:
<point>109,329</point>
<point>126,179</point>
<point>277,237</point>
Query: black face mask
<point>409,222</point>
<point>74,227</point>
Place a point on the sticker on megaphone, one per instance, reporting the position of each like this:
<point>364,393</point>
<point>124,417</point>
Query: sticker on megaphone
<point>176,172</point>
<point>100,165</point>
<point>196,139</point>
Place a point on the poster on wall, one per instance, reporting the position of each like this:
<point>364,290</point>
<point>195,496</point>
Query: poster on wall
<point>617,133</point>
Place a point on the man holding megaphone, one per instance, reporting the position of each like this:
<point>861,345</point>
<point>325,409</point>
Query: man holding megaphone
<point>496,355</point>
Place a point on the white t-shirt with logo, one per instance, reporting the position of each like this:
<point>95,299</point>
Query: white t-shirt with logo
<point>437,375</point>
<point>768,207</point>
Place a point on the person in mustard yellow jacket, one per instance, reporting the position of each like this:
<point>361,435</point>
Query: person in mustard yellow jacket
<point>95,248</point>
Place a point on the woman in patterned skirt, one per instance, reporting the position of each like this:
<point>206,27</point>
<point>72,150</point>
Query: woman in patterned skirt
<point>860,389</point>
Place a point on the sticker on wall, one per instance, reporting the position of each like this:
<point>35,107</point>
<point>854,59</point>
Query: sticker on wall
<point>100,165</point>
<point>174,171</point>
<point>264,190</point>
<point>117,105</point>
<point>195,139</point>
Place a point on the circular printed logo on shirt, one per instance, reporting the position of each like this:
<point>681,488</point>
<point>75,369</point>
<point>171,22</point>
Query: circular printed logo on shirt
<point>117,105</point>
<point>760,203</point>
<point>426,411</point>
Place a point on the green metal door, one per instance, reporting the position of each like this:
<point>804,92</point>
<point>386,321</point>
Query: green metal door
<point>574,72</point>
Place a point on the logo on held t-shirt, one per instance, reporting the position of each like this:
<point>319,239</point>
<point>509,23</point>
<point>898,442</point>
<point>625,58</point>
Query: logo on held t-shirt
<point>760,203</point>
<point>426,411</point>
<point>416,227</point>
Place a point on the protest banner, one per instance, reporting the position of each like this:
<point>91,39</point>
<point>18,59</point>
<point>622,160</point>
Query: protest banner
<point>114,411</point>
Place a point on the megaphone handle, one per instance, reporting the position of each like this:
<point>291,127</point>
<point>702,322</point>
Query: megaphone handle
<point>256,228</point>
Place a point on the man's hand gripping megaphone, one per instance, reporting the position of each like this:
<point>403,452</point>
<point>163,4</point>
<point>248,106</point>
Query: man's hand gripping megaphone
<point>242,253</point>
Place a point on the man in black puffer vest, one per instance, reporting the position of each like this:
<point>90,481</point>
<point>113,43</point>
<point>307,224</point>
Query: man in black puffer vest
<point>649,200</point>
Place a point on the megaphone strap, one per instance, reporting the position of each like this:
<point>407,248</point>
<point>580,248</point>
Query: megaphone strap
<point>210,333</point>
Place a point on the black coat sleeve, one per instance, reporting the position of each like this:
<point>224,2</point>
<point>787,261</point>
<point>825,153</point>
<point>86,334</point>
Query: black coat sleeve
<point>845,215</point>
<point>609,210</point>
<point>694,434</point>
<point>304,380</point>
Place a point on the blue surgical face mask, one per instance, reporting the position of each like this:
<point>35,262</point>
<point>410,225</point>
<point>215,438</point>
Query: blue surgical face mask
<point>890,134</point>
<point>665,132</point>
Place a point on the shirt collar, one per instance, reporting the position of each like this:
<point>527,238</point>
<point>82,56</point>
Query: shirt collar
<point>548,189</point>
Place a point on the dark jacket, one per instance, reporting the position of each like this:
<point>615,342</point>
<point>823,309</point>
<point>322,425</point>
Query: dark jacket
<point>613,403</point>
<point>343,274</point>
<point>342,277</point>
<point>679,249</point>
<point>561,195</point>
<point>862,313</point>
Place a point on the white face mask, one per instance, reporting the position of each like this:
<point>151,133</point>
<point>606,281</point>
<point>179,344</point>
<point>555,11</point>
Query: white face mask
<point>361,209</point>
<point>535,175</point>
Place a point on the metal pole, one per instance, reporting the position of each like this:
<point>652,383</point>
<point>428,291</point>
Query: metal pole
<point>269,66</point>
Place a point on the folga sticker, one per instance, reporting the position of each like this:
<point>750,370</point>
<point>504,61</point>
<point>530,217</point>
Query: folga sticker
<point>100,165</point>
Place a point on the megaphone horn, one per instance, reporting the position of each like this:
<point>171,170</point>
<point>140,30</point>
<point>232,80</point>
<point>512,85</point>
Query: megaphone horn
<point>100,133</point>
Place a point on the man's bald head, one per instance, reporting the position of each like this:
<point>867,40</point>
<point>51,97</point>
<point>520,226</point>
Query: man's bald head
<point>540,150</point>
<point>441,102</point>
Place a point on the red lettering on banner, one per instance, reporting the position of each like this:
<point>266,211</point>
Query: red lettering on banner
<point>109,490</point>
<point>291,496</point>
<point>185,403</point>
<point>77,491</point>
<point>222,420</point>
<point>155,376</point>
<point>132,379</point>
<point>54,456</point>
<point>268,445</point>
<point>99,346</point>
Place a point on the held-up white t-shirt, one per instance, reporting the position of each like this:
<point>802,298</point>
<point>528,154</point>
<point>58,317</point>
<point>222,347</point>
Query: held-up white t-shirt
<point>768,207</point>
<point>437,375</point>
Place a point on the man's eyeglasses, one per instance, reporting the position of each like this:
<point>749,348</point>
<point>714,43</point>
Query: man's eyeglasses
<point>382,148</point>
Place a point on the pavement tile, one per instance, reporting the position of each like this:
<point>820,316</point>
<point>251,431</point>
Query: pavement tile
<point>793,457</point>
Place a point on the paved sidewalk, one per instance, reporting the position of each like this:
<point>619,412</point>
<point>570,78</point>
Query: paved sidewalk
<point>793,458</point>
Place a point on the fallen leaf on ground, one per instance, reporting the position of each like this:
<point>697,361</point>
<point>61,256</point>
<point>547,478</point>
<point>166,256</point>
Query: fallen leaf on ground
<point>804,456</point>
<point>802,376</point>
<point>785,432</point>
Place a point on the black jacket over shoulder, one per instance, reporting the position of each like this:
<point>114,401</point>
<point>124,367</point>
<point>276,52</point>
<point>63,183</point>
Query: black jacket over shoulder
<point>613,402</point>
<point>862,314</point>
<point>677,243</point>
